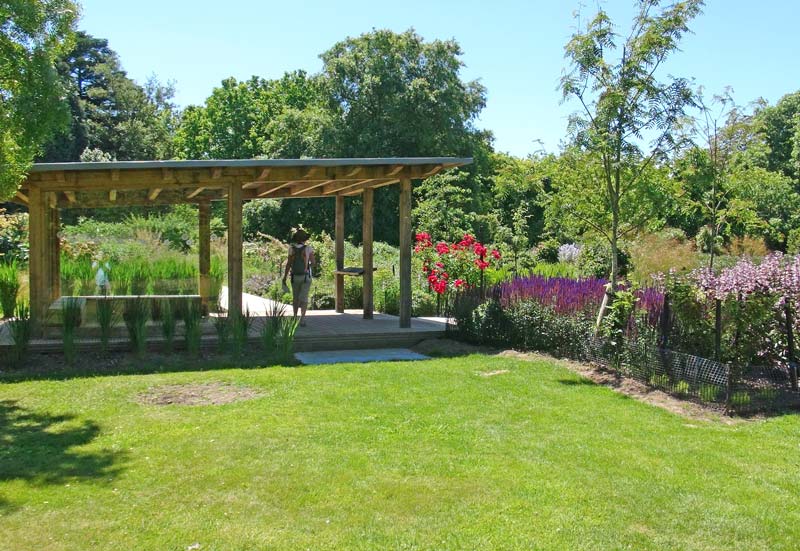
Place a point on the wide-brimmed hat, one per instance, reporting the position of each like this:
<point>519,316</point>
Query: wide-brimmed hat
<point>299,236</point>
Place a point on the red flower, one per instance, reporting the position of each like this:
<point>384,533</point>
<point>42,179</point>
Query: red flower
<point>432,279</point>
<point>442,248</point>
<point>496,254</point>
<point>423,236</point>
<point>425,268</point>
<point>439,265</point>
<point>458,283</point>
<point>467,240</point>
<point>444,275</point>
<point>440,287</point>
<point>480,250</point>
<point>481,264</point>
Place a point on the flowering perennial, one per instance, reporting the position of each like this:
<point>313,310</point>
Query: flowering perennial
<point>453,265</point>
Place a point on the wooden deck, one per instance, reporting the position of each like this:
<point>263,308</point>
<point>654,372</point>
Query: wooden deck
<point>324,330</point>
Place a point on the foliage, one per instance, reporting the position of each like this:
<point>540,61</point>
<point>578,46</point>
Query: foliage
<point>9,287</point>
<point>554,270</point>
<point>169,324</point>
<point>32,36</point>
<point>192,321</point>
<point>71,316</point>
<point>239,331</point>
<point>454,265</point>
<point>596,259</point>
<point>112,117</point>
<point>13,237</point>
<point>622,100</point>
<point>135,314</point>
<point>107,319</point>
<point>20,327</point>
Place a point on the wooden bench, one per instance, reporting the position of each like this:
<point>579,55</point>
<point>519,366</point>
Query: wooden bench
<point>352,271</point>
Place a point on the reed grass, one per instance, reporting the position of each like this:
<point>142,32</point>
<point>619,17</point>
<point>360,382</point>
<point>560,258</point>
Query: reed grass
<point>271,329</point>
<point>21,329</point>
<point>192,329</point>
<point>71,314</point>
<point>107,318</point>
<point>9,287</point>
<point>135,314</point>
<point>168,324</point>
<point>222,328</point>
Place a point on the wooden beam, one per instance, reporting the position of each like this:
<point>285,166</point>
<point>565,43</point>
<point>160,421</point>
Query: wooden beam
<point>216,173</point>
<point>267,189</point>
<point>22,197</point>
<point>196,192</point>
<point>339,253</point>
<point>308,187</point>
<point>166,175</point>
<point>405,253</point>
<point>70,195</point>
<point>53,253</point>
<point>370,184</point>
<point>37,257</point>
<point>112,195</point>
<point>235,250</point>
<point>204,253</point>
<point>366,263</point>
<point>153,193</point>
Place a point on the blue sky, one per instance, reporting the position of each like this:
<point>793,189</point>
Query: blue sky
<point>515,47</point>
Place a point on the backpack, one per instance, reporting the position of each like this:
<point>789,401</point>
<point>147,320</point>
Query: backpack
<point>299,261</point>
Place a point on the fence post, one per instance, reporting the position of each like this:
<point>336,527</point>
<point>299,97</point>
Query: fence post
<point>728,387</point>
<point>790,344</point>
<point>717,329</point>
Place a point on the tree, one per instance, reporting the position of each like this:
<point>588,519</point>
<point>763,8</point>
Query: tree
<point>109,111</point>
<point>394,94</point>
<point>623,104</point>
<point>33,34</point>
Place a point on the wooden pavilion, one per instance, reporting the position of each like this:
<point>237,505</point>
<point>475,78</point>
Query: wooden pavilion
<point>53,186</point>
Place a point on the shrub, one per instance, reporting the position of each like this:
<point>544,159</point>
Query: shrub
<point>9,287</point>
<point>595,260</point>
<point>13,239</point>
<point>71,313</point>
<point>221,327</point>
<point>547,251</point>
<point>21,330</point>
<point>192,320</point>
<point>107,318</point>
<point>168,324</point>
<point>288,328</point>
<point>239,331</point>
<point>135,315</point>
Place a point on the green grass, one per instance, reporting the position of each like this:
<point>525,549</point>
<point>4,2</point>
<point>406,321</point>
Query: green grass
<point>426,455</point>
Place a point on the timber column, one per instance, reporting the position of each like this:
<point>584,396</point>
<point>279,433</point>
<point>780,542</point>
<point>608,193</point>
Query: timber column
<point>204,252</point>
<point>39,261</point>
<point>405,253</point>
<point>339,236</point>
<point>235,250</point>
<point>366,236</point>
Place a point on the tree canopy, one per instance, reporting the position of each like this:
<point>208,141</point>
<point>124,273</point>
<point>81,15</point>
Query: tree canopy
<point>33,35</point>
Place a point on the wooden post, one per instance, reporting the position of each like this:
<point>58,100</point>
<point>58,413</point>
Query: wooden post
<point>204,252</point>
<point>366,237</point>
<point>405,253</point>
<point>339,234</point>
<point>235,250</point>
<point>54,252</point>
<point>38,267</point>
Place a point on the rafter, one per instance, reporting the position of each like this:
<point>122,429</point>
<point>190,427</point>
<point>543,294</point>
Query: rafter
<point>70,195</point>
<point>195,192</point>
<point>112,195</point>
<point>153,193</point>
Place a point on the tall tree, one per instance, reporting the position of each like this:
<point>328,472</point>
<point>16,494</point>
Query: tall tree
<point>395,94</point>
<point>624,105</point>
<point>33,34</point>
<point>110,112</point>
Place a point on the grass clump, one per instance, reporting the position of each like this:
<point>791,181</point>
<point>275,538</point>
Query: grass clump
<point>192,319</point>
<point>135,314</point>
<point>71,317</point>
<point>107,319</point>
<point>168,325</point>
<point>21,330</point>
<point>9,287</point>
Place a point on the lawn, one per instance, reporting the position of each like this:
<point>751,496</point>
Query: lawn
<point>425,455</point>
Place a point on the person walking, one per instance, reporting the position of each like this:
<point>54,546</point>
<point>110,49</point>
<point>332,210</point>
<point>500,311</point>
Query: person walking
<point>301,258</point>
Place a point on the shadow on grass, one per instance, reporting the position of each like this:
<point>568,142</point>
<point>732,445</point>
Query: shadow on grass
<point>52,366</point>
<point>40,448</point>
<point>577,382</point>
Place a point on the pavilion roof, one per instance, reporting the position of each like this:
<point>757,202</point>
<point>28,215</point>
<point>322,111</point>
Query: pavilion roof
<point>122,183</point>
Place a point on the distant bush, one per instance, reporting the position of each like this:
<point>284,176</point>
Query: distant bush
<point>13,237</point>
<point>595,260</point>
<point>547,251</point>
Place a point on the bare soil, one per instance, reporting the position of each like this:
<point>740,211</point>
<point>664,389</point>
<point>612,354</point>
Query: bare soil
<point>198,394</point>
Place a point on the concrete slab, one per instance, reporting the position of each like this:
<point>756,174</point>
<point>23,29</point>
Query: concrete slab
<point>358,356</point>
